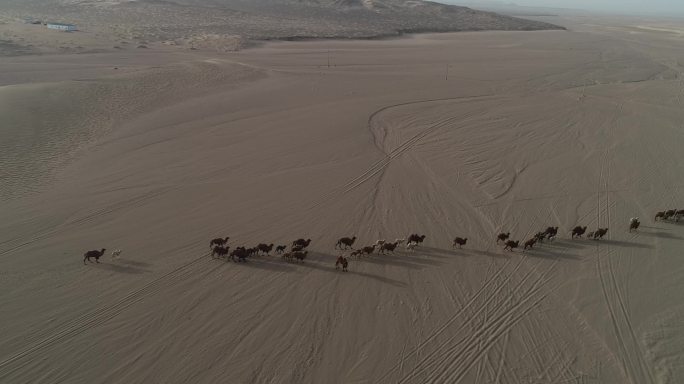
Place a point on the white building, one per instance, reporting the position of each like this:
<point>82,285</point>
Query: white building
<point>61,26</point>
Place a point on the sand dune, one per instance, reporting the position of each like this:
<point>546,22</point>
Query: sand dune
<point>520,131</point>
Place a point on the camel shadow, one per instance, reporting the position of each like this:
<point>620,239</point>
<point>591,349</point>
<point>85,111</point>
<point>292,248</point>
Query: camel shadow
<point>133,263</point>
<point>400,260</point>
<point>546,254</point>
<point>269,263</point>
<point>646,226</point>
<point>564,243</point>
<point>623,244</point>
<point>120,268</point>
<point>317,259</point>
<point>662,235</point>
<point>432,251</point>
<point>487,253</point>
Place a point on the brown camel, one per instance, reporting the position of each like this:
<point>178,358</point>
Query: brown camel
<point>219,251</point>
<point>510,245</point>
<point>264,248</point>
<point>416,238</point>
<point>388,247</point>
<point>368,250</point>
<point>280,249</point>
<point>530,243</point>
<point>341,261</point>
<point>460,242</point>
<point>598,235</point>
<point>94,254</point>
<point>578,231</point>
<point>218,241</point>
<point>241,253</point>
<point>347,242</point>
<point>301,243</point>
<point>300,256</point>
<point>503,237</point>
<point>551,232</point>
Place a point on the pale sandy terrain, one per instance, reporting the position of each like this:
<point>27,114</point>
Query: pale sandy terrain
<point>173,148</point>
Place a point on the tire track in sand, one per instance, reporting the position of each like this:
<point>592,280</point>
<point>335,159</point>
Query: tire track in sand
<point>132,202</point>
<point>439,330</point>
<point>452,364</point>
<point>636,367</point>
<point>97,317</point>
<point>406,145</point>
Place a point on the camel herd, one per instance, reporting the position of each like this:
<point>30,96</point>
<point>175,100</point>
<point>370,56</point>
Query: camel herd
<point>298,253</point>
<point>670,214</point>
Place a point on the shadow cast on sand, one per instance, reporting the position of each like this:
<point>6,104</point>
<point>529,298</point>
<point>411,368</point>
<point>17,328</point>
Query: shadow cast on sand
<point>319,261</point>
<point>139,264</point>
<point>560,243</point>
<point>271,263</point>
<point>623,244</point>
<point>399,260</point>
<point>662,235</point>
<point>119,268</point>
<point>470,252</point>
<point>546,254</point>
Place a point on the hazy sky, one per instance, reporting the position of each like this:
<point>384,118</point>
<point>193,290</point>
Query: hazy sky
<point>620,6</point>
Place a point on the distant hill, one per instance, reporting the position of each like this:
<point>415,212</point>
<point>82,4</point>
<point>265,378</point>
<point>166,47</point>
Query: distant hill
<point>160,20</point>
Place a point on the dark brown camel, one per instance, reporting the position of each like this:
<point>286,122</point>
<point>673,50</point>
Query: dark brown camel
<point>219,251</point>
<point>368,250</point>
<point>300,256</point>
<point>578,231</point>
<point>665,215</point>
<point>94,254</point>
<point>218,241</point>
<point>241,253</point>
<point>503,237</point>
<point>265,248</point>
<point>460,242</point>
<point>510,245</point>
<point>634,224</point>
<point>551,232</point>
<point>288,256</point>
<point>678,214</point>
<point>301,243</point>
<point>281,248</point>
<point>341,261</point>
<point>388,247</point>
<point>598,235</point>
<point>416,238</point>
<point>530,243</point>
<point>347,242</point>
<point>356,253</point>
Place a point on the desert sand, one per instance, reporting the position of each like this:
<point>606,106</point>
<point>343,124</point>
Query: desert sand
<point>157,151</point>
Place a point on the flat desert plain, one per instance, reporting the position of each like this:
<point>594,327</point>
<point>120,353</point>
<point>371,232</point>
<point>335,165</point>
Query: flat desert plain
<point>157,151</point>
